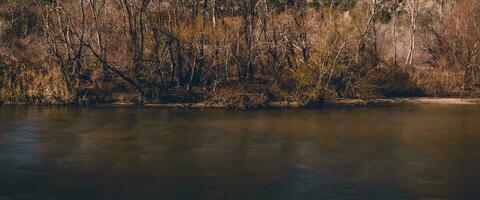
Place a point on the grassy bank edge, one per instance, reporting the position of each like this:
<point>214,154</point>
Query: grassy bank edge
<point>326,103</point>
<point>339,102</point>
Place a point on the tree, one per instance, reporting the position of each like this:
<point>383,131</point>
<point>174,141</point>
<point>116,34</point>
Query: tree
<point>412,8</point>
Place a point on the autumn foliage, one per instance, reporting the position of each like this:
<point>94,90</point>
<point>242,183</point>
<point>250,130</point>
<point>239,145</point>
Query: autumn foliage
<point>224,51</point>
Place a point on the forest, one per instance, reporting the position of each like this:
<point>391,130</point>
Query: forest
<point>236,52</point>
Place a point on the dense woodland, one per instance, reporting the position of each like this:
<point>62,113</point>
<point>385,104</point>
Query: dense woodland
<point>236,52</point>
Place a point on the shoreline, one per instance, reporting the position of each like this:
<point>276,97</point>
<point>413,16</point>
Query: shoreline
<point>339,102</point>
<point>406,100</point>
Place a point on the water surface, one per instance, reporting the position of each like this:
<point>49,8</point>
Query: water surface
<point>402,152</point>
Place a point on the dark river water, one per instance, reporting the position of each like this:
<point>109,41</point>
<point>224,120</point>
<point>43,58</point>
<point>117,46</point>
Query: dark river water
<point>402,152</point>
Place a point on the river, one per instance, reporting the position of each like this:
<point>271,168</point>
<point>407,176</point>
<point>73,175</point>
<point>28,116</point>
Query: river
<point>394,152</point>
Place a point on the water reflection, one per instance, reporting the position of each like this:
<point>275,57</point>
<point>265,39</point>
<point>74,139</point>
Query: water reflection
<point>363,153</point>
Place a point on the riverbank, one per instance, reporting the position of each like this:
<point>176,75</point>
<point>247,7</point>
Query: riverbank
<point>340,102</point>
<point>405,100</point>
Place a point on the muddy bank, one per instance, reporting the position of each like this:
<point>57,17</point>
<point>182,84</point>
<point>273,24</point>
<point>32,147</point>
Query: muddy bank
<point>341,102</point>
<point>249,104</point>
<point>393,101</point>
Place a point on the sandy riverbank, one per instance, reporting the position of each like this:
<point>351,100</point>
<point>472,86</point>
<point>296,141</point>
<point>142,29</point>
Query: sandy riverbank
<point>339,102</point>
<point>332,102</point>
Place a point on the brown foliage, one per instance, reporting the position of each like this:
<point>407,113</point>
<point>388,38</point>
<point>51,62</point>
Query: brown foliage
<point>151,51</point>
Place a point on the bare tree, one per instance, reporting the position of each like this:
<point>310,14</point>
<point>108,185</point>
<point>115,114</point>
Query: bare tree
<point>395,11</point>
<point>97,8</point>
<point>412,8</point>
<point>65,38</point>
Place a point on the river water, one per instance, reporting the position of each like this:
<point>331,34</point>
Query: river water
<point>399,152</point>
